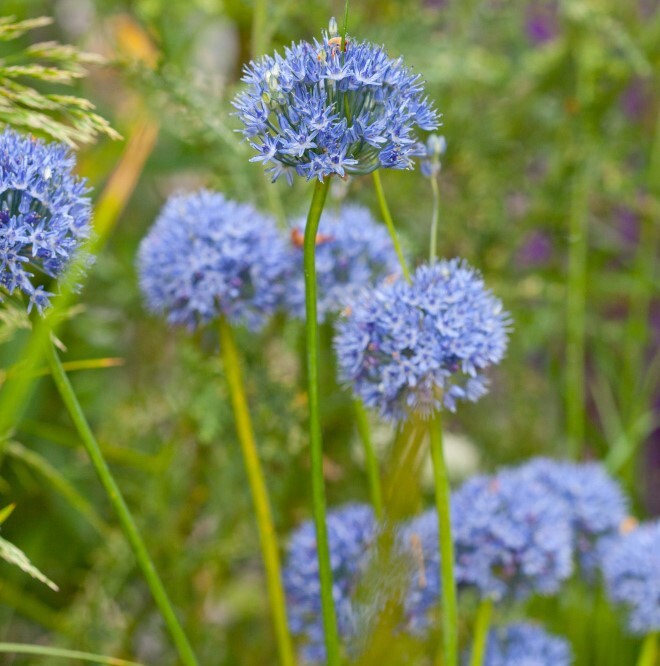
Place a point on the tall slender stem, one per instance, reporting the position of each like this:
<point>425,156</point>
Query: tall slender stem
<point>442,501</point>
<point>577,267</point>
<point>371,461</point>
<point>316,444</point>
<point>481,628</point>
<point>259,38</point>
<point>644,268</point>
<point>123,513</point>
<point>345,29</point>
<point>389,222</point>
<point>575,313</point>
<point>649,652</point>
<point>435,219</point>
<point>259,490</point>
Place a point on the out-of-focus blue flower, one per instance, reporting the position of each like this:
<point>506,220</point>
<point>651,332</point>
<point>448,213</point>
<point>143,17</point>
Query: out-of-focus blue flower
<point>352,530</point>
<point>330,108</point>
<point>435,148</point>
<point>352,252</point>
<point>207,256</point>
<point>524,644</point>
<point>411,348</point>
<point>511,537</point>
<point>594,502</point>
<point>44,215</point>
<point>631,567</point>
<point>418,539</point>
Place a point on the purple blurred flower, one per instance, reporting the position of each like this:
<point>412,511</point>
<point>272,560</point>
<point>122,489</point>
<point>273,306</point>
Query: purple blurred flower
<point>635,99</point>
<point>541,25</point>
<point>536,251</point>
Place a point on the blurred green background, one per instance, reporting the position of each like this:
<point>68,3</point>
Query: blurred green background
<point>522,136</point>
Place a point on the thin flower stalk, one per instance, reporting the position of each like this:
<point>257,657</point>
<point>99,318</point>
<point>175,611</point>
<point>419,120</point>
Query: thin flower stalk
<point>449,654</point>
<point>259,491</point>
<point>435,219</point>
<point>577,273</point>
<point>389,223</point>
<point>481,628</point>
<point>126,520</point>
<point>316,444</point>
<point>370,458</point>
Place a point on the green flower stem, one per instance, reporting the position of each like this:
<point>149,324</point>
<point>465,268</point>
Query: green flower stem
<point>644,270</point>
<point>315,439</point>
<point>371,461</point>
<point>442,501</point>
<point>389,222</point>
<point>649,652</point>
<point>125,518</point>
<point>259,37</point>
<point>259,491</point>
<point>435,219</point>
<point>577,262</point>
<point>481,627</point>
<point>575,312</point>
<point>44,651</point>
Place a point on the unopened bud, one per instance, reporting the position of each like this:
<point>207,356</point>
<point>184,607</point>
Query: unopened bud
<point>436,144</point>
<point>333,30</point>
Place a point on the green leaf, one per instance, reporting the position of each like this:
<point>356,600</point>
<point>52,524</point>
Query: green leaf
<point>44,651</point>
<point>64,118</point>
<point>6,512</point>
<point>10,553</point>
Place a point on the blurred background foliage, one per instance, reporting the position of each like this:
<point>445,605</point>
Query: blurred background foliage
<point>519,130</point>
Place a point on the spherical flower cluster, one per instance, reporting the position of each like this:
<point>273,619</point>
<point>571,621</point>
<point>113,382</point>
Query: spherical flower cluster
<point>351,532</point>
<point>414,347</point>
<point>511,537</point>
<point>526,644</point>
<point>418,539</point>
<point>352,252</point>
<point>594,502</point>
<point>333,107</point>
<point>44,215</point>
<point>207,256</point>
<point>631,568</point>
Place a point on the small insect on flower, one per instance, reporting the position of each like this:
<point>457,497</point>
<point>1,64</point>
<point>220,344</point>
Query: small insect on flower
<point>333,107</point>
<point>353,252</point>
<point>44,216</point>
<point>298,238</point>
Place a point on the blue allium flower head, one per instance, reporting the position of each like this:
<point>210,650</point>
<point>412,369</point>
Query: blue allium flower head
<point>44,215</point>
<point>526,644</point>
<point>631,567</point>
<point>595,504</point>
<point>418,538</point>
<point>329,107</point>
<point>353,252</point>
<point>511,537</point>
<point>207,256</point>
<point>408,348</point>
<point>351,532</point>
